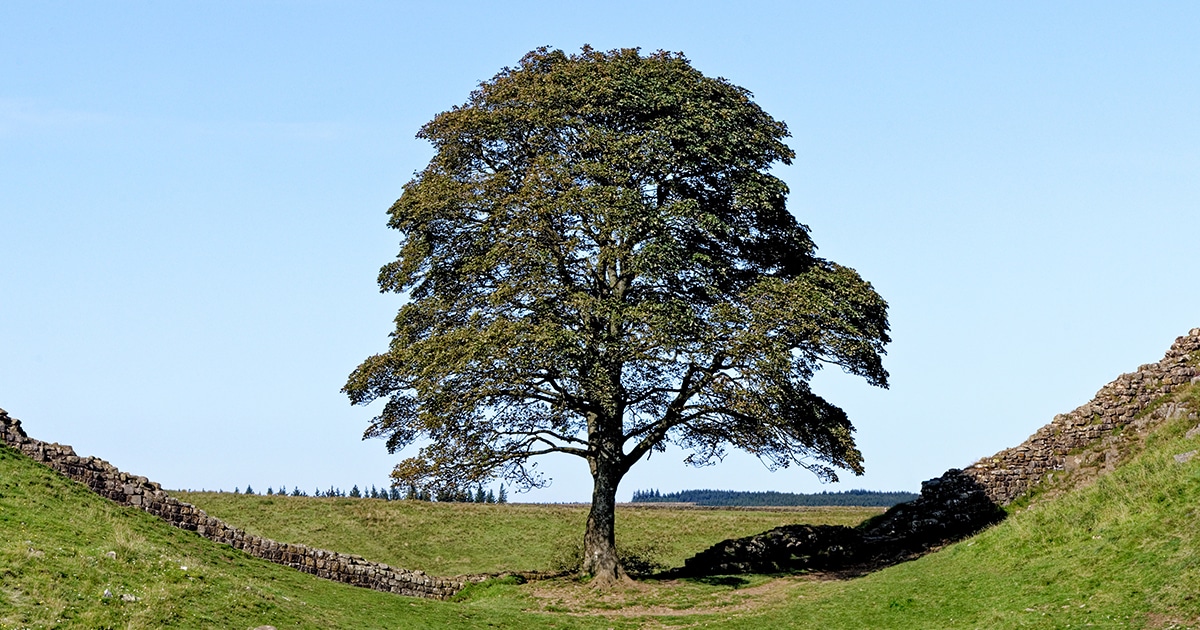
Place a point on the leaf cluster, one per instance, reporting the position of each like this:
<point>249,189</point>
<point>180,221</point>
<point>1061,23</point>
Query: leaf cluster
<point>598,261</point>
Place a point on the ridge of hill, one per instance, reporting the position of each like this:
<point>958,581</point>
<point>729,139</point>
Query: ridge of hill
<point>72,559</point>
<point>1092,439</point>
<point>135,491</point>
<point>1121,549</point>
<point>1095,437</point>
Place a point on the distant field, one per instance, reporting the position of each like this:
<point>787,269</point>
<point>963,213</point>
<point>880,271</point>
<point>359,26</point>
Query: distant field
<point>463,538</point>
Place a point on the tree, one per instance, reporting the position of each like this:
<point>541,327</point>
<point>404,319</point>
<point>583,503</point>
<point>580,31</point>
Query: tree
<point>599,262</point>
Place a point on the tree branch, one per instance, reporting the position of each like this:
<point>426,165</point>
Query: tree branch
<point>656,432</point>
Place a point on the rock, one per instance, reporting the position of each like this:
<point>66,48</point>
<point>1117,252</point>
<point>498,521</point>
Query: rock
<point>107,594</point>
<point>263,628</point>
<point>126,597</point>
<point>1183,458</point>
<point>949,508</point>
<point>1193,432</point>
<point>111,555</point>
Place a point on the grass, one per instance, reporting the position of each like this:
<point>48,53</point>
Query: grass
<point>1121,552</point>
<point>55,566</point>
<point>467,538</point>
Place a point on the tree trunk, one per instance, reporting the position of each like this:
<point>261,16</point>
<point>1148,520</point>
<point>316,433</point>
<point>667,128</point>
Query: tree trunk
<point>599,541</point>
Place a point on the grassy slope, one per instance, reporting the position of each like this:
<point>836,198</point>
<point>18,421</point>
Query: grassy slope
<point>455,539</point>
<point>1123,552</point>
<point>54,536</point>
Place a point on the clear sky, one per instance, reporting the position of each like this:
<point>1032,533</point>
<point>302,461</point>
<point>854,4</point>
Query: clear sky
<point>193,197</point>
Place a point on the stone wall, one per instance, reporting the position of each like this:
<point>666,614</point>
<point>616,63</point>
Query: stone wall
<point>953,506</point>
<point>949,508</point>
<point>962,502</point>
<point>1117,406</point>
<point>106,480</point>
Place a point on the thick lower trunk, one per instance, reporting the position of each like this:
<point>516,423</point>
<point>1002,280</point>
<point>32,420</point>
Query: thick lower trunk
<point>599,541</point>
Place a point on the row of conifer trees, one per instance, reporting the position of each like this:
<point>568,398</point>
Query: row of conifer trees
<point>411,493</point>
<point>735,498</point>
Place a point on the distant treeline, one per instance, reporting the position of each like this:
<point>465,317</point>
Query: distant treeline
<point>733,498</point>
<point>444,495</point>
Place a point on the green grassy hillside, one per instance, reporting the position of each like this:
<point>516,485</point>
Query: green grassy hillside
<point>1122,551</point>
<point>465,538</point>
<point>62,547</point>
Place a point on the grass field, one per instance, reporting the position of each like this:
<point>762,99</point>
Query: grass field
<point>467,538</point>
<point>1121,552</point>
<point>55,567</point>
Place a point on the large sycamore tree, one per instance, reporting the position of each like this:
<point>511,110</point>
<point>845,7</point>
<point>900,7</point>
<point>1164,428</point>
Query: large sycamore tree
<point>599,262</point>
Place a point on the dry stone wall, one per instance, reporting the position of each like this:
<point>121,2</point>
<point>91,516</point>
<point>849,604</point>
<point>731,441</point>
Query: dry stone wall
<point>106,480</point>
<point>949,508</point>
<point>1121,404</point>
<point>953,506</point>
<point>962,502</point>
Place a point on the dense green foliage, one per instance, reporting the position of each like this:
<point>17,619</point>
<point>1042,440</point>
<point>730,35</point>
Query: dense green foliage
<point>736,498</point>
<point>598,239</point>
<point>599,261</point>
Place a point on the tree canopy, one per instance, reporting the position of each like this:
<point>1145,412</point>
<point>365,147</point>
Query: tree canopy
<point>599,262</point>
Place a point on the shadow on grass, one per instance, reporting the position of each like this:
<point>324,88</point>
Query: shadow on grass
<point>730,581</point>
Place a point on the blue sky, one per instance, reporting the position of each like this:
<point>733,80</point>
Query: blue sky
<point>193,197</point>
